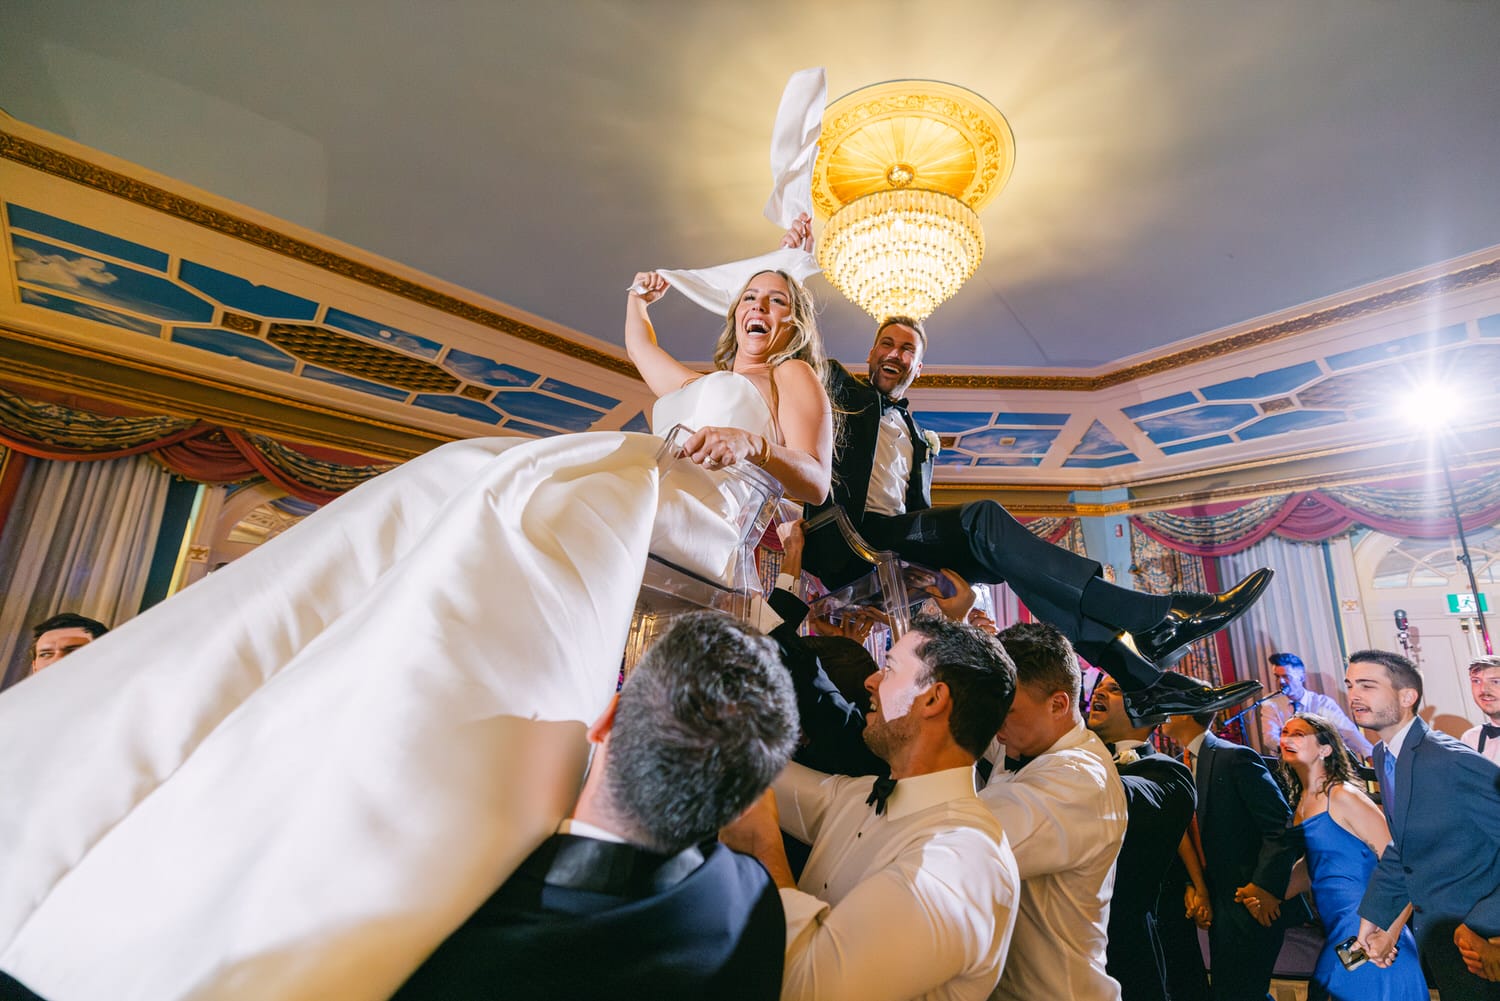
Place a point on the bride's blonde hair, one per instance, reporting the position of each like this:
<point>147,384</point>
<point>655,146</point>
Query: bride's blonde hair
<point>806,343</point>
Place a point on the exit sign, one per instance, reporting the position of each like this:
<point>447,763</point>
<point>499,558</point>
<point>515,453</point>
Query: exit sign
<point>1463,604</point>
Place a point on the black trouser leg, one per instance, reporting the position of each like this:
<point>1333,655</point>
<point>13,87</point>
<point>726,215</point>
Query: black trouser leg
<point>985,545</point>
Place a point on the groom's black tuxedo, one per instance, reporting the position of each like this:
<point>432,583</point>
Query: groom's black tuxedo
<point>583,918</point>
<point>860,407</point>
<point>980,540</point>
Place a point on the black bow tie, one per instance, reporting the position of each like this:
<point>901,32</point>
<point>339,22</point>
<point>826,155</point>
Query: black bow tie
<point>1488,732</point>
<point>887,403</point>
<point>880,793</point>
<point>1017,763</point>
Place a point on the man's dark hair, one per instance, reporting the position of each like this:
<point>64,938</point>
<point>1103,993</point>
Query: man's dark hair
<point>705,721</point>
<point>1290,661</point>
<point>905,321</point>
<point>1402,672</point>
<point>980,676</point>
<point>1044,659</point>
<point>69,620</point>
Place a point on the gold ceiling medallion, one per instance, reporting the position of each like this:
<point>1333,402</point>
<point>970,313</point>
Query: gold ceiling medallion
<point>903,169</point>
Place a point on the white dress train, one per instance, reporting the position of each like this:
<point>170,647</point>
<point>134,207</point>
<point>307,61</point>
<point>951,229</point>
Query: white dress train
<point>296,777</point>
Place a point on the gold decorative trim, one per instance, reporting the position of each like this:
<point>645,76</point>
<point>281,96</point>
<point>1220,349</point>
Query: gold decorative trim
<point>241,324</point>
<point>33,360</point>
<point>80,171</point>
<point>1406,295</point>
<point>482,393</point>
<point>920,133</point>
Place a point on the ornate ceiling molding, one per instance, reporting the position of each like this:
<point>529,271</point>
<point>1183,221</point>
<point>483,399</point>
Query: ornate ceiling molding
<point>79,171</point>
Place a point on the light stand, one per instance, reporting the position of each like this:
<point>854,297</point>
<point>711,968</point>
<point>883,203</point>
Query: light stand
<point>1463,544</point>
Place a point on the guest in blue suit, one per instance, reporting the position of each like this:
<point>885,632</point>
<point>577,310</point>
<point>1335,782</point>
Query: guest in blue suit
<point>1242,821</point>
<point>1443,803</point>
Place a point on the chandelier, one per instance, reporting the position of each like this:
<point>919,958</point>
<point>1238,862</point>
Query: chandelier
<point>902,169</point>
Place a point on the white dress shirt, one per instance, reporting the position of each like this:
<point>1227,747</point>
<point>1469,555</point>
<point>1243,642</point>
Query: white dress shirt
<point>918,902</point>
<point>1491,746</point>
<point>1275,713</point>
<point>1064,813</point>
<point>891,471</point>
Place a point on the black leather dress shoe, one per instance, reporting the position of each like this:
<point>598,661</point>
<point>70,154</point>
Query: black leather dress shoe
<point>1178,695</point>
<point>1194,616</point>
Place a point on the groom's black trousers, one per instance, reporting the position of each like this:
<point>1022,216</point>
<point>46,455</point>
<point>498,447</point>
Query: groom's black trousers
<point>982,543</point>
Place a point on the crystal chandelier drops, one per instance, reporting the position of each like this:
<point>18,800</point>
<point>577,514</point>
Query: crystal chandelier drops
<point>903,168</point>
<point>901,252</point>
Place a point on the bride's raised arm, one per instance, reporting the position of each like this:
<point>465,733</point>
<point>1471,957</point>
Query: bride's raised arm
<point>662,373</point>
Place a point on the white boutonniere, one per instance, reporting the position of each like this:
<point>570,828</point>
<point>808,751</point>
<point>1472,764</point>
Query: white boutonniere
<point>934,443</point>
<point>1126,756</point>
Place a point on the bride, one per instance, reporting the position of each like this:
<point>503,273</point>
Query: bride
<point>296,777</point>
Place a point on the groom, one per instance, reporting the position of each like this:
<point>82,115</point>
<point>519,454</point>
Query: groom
<point>882,478</point>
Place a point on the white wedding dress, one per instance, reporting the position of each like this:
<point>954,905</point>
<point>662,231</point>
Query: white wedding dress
<point>296,777</point>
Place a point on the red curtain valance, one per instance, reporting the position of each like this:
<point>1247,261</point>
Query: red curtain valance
<point>194,450</point>
<point>1415,507</point>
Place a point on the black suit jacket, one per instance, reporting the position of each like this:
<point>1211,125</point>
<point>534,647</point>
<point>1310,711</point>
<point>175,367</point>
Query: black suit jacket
<point>832,727</point>
<point>1242,819</point>
<point>1159,801</point>
<point>583,918</point>
<point>1445,832</point>
<point>858,405</point>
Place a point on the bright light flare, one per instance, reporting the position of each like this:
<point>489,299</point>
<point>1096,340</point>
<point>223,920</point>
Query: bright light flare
<point>1431,406</point>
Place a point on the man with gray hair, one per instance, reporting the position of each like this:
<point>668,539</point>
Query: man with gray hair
<point>633,897</point>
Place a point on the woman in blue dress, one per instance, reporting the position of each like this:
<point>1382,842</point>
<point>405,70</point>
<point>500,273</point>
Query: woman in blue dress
<point>1345,833</point>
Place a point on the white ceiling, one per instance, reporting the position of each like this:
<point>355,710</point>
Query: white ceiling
<point>1181,166</point>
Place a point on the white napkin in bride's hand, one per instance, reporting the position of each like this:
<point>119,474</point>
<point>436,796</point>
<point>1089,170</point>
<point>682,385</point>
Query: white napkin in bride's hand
<point>794,145</point>
<point>794,150</point>
<point>715,288</point>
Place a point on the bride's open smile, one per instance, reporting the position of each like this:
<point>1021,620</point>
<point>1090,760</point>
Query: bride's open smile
<point>763,316</point>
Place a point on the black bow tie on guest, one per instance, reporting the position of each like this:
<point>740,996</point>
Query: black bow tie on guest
<point>1018,763</point>
<point>880,793</point>
<point>887,403</point>
<point>1488,731</point>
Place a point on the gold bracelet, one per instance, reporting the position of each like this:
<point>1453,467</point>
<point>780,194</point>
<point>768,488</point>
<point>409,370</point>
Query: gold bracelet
<point>763,454</point>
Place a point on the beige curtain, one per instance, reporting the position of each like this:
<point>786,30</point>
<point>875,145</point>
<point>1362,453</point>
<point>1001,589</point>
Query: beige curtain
<point>1295,615</point>
<point>79,539</point>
